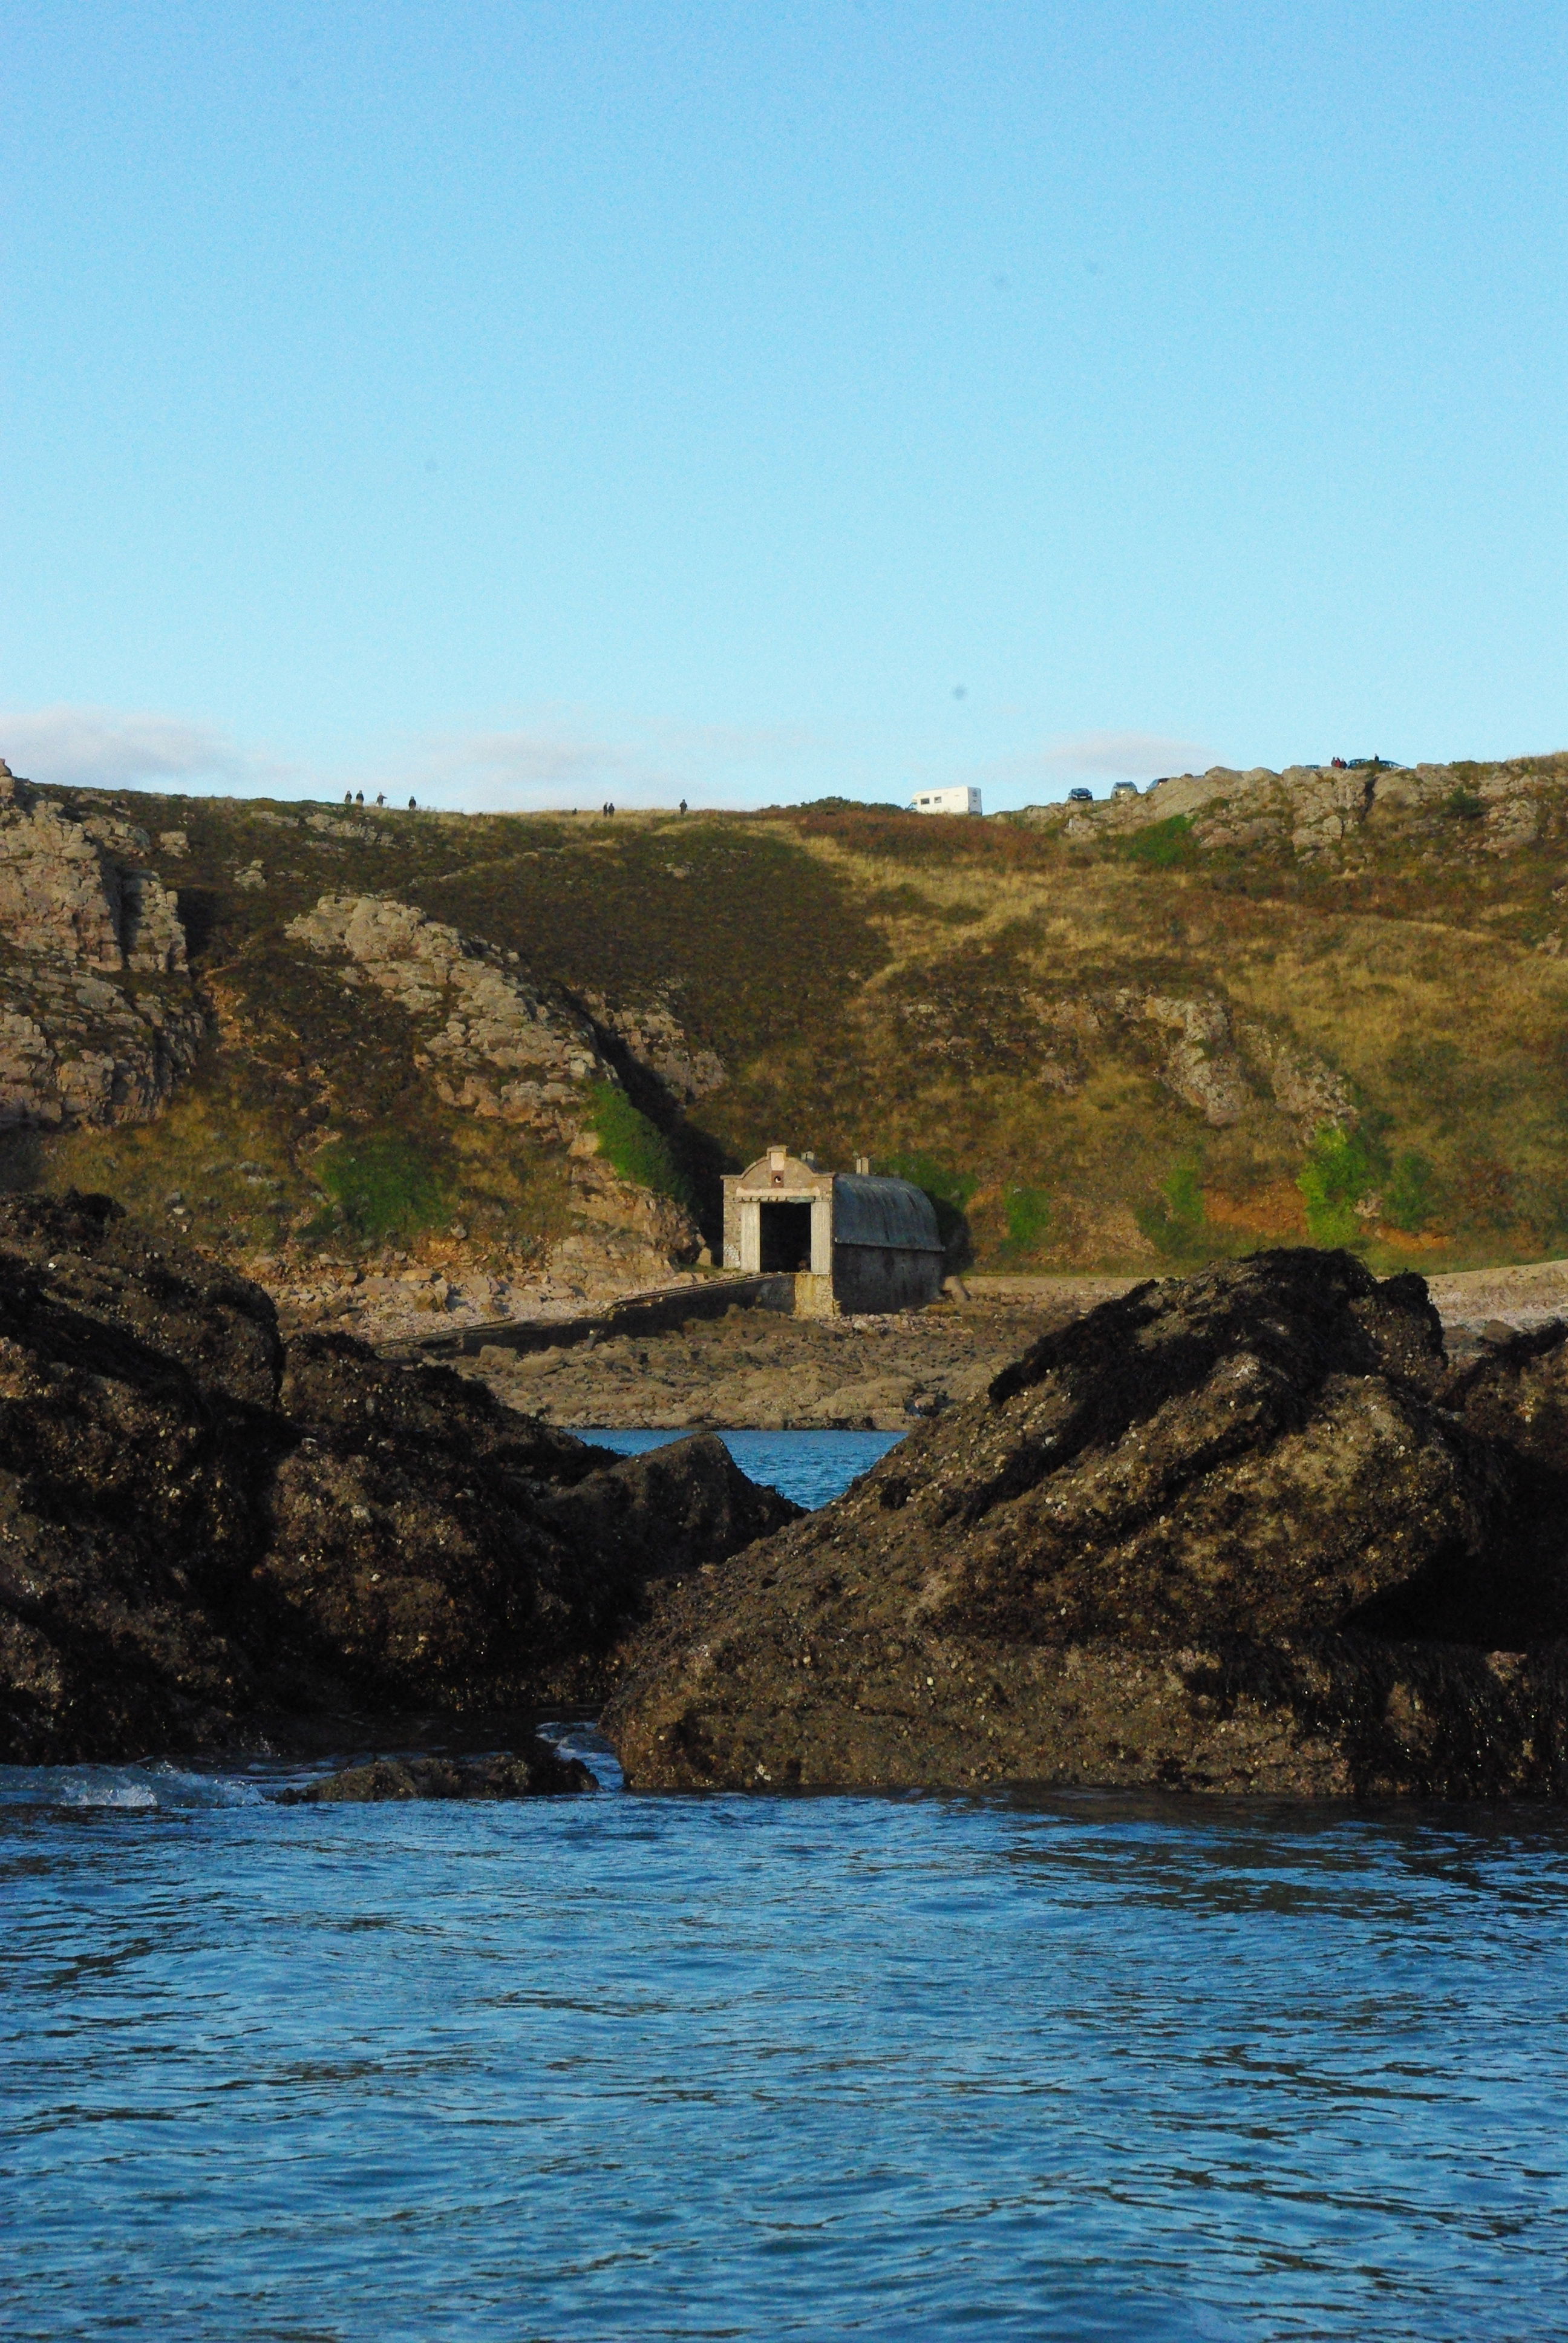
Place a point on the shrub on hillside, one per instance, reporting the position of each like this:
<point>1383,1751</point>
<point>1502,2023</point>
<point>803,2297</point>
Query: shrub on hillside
<point>1407,1200</point>
<point>1174,1222</point>
<point>382,1183</point>
<point>635,1148</point>
<point>1026,1212</point>
<point>949,1193</point>
<point>1343,1169</point>
<point>1164,846</point>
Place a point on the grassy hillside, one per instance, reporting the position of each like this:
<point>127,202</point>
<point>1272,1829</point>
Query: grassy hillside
<point>1126,1038</point>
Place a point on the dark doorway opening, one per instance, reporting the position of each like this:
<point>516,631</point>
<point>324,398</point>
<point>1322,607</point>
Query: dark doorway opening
<point>785,1236</point>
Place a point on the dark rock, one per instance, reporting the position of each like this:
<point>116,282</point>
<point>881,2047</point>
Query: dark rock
<point>445,1553</point>
<point>539,1772</point>
<point>203,1532</point>
<point>1241,1531</point>
<point>102,1293</point>
<point>1517,1395</point>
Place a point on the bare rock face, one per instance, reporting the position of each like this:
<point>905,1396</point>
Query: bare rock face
<point>75,887</point>
<point>76,1048</point>
<point>1220,1064</point>
<point>1201,1064</point>
<point>1238,1532</point>
<point>1326,813</point>
<point>494,1041</point>
<point>78,917</point>
<point>655,1037</point>
<point>423,1534</point>
<point>206,1533</point>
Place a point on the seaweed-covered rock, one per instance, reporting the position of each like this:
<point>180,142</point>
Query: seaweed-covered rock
<point>203,1531</point>
<point>443,1552</point>
<point>1241,1531</point>
<point>536,1772</point>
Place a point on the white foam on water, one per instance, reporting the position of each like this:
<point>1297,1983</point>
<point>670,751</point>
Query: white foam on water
<point>588,1742</point>
<point>156,1787</point>
<point>117,1797</point>
<point>175,1788</point>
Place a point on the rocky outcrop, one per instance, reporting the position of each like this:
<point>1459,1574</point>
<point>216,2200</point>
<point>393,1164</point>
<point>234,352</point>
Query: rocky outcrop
<point>1218,1061</point>
<point>1220,1064</point>
<point>770,1371</point>
<point>1199,1062</point>
<point>653,1034</point>
<point>1318,812</point>
<point>628,1236</point>
<point>494,1042</point>
<point>97,1021</point>
<point>536,1772</point>
<point>207,1533</point>
<point>75,887</point>
<point>499,1044</point>
<point>76,1048</point>
<point>1240,1532</point>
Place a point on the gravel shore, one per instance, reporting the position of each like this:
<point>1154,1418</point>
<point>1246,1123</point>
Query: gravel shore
<point>755,1370</point>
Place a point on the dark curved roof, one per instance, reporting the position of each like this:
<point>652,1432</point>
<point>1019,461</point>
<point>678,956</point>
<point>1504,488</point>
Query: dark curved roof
<point>877,1212</point>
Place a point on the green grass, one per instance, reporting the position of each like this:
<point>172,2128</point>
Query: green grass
<point>1027,1213</point>
<point>1343,1169</point>
<point>1167,845</point>
<point>635,1148</point>
<point>382,1185</point>
<point>1173,1221</point>
<point>1408,1197</point>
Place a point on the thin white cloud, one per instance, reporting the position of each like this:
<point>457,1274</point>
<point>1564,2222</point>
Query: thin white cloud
<point>494,770</point>
<point>553,757</point>
<point>1131,756</point>
<point>565,759</point>
<point>103,748</point>
<point>561,757</point>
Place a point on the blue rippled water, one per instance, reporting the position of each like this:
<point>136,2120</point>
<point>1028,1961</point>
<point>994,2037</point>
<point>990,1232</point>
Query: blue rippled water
<point>1054,2066</point>
<point>812,1467</point>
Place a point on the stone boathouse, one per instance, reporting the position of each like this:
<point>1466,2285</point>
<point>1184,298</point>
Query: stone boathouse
<point>853,1241</point>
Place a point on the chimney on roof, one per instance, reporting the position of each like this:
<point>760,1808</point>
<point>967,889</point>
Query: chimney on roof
<point>863,1166</point>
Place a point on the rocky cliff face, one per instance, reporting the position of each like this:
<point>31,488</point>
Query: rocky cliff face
<point>1219,1064</point>
<point>654,1035</point>
<point>494,1042</point>
<point>1243,1531</point>
<point>1324,812</point>
<point>96,1018</point>
<point>498,1044</point>
<point>208,1533</point>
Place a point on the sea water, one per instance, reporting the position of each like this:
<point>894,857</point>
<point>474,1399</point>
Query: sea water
<point>1020,2065</point>
<point>812,1467</point>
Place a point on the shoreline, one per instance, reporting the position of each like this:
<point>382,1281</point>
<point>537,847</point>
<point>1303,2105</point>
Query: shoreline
<point>760,1369</point>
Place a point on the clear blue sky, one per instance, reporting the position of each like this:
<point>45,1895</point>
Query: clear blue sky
<point>531,404</point>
